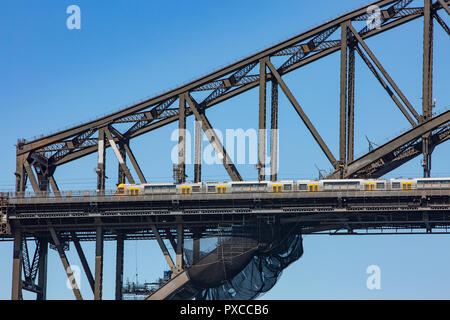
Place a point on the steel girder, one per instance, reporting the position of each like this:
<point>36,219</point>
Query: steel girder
<point>228,82</point>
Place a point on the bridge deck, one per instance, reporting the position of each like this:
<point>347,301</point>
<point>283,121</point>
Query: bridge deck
<point>313,212</point>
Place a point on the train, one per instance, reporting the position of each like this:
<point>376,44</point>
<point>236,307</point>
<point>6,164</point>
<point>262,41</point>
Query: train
<point>366,185</point>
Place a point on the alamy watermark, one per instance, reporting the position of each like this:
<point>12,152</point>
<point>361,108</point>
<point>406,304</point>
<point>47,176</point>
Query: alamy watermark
<point>74,20</point>
<point>74,280</point>
<point>374,280</point>
<point>241,147</point>
<point>374,20</point>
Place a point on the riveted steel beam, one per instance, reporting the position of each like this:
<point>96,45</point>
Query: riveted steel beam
<point>274,132</point>
<point>84,262</point>
<point>197,151</point>
<point>351,105</point>
<point>65,263</point>
<point>43,262</point>
<point>98,281</point>
<point>119,266</point>
<point>262,121</point>
<point>119,157</point>
<point>182,139</point>
<point>163,247</point>
<point>16,288</point>
<point>343,98</point>
<point>427,83</point>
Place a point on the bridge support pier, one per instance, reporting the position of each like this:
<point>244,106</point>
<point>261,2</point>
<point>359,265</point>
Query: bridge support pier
<point>180,246</point>
<point>42,280</point>
<point>16,291</point>
<point>98,265</point>
<point>119,266</point>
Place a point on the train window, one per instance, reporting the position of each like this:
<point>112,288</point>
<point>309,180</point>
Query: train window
<point>395,185</point>
<point>287,187</point>
<point>302,187</point>
<point>380,185</point>
<point>159,189</point>
<point>211,188</point>
<point>196,189</point>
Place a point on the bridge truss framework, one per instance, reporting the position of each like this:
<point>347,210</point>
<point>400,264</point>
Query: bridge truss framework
<point>37,160</point>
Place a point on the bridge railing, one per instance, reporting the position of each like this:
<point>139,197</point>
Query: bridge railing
<point>60,194</point>
<point>206,195</point>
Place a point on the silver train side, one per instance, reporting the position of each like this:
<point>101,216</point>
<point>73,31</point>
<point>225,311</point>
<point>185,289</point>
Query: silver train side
<point>366,185</point>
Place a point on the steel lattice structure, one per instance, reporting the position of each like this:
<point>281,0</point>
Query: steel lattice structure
<point>37,160</point>
<point>47,153</point>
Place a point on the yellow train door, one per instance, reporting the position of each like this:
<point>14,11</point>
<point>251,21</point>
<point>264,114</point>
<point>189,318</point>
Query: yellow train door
<point>313,187</point>
<point>369,186</point>
<point>221,189</point>
<point>276,188</point>
<point>406,186</point>
<point>185,190</point>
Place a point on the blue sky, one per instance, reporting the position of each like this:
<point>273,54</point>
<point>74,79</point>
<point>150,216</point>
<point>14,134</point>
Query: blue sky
<point>126,51</point>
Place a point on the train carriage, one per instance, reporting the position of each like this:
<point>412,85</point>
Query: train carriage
<point>311,186</point>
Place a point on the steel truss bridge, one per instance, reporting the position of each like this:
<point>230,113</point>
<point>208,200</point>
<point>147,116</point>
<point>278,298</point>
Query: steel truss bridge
<point>50,217</point>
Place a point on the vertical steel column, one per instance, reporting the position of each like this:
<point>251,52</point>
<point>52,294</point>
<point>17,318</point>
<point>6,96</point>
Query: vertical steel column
<point>180,243</point>
<point>196,246</point>
<point>21,175</point>
<point>43,258</point>
<point>274,132</point>
<point>101,161</point>
<point>343,100</point>
<point>427,86</point>
<point>98,264</point>
<point>119,266</point>
<point>182,139</point>
<point>262,121</point>
<point>351,105</point>
<point>121,174</point>
<point>198,151</point>
<point>16,291</point>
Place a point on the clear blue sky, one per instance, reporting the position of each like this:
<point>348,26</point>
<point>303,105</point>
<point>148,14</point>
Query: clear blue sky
<point>126,51</point>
